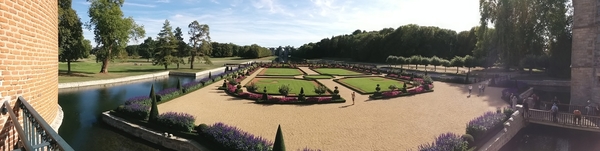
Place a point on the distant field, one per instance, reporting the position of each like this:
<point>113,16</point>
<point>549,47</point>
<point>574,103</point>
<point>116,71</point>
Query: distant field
<point>88,69</point>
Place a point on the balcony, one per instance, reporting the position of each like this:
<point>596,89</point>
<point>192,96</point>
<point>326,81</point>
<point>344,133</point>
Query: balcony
<point>34,134</point>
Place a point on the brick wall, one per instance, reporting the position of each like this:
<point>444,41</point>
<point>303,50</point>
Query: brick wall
<point>29,57</point>
<point>586,53</point>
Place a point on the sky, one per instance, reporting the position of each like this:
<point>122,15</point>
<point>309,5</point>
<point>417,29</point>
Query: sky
<point>272,23</point>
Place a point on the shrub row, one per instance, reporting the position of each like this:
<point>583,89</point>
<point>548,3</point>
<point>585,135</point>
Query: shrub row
<point>446,142</point>
<point>482,125</point>
<point>232,138</point>
<point>233,90</point>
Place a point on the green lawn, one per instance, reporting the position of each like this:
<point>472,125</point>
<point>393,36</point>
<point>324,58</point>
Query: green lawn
<point>273,84</point>
<point>336,71</point>
<point>281,72</point>
<point>368,84</point>
<point>88,69</point>
<point>318,77</point>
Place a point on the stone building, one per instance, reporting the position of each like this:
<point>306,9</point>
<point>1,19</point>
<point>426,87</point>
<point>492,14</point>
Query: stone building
<point>585,72</point>
<point>29,60</point>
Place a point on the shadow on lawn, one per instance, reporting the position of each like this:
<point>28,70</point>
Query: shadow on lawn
<point>74,74</point>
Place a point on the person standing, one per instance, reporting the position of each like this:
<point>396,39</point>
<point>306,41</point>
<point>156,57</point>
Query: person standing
<point>577,117</point>
<point>526,109</point>
<point>479,90</point>
<point>514,101</point>
<point>353,95</point>
<point>470,88</point>
<point>536,102</point>
<point>554,111</point>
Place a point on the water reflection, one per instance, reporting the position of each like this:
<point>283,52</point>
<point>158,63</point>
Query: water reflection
<point>547,138</point>
<point>82,127</point>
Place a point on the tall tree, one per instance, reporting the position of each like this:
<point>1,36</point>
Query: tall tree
<point>71,44</point>
<point>200,41</point>
<point>167,46</point>
<point>146,49</point>
<point>112,31</point>
<point>182,47</point>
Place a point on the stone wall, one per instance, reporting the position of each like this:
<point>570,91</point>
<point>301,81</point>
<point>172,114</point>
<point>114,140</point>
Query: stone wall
<point>174,143</point>
<point>559,83</point>
<point>511,127</point>
<point>28,59</point>
<point>585,53</point>
<point>109,82</point>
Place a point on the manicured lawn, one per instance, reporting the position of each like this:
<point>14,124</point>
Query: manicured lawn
<point>88,69</point>
<point>336,71</point>
<point>281,72</point>
<point>318,77</point>
<point>368,84</point>
<point>273,84</point>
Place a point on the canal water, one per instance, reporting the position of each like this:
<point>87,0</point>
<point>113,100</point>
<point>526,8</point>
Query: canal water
<point>82,127</point>
<point>547,138</point>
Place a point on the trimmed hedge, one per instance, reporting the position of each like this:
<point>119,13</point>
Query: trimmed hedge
<point>446,142</point>
<point>232,138</point>
<point>177,121</point>
<point>484,124</point>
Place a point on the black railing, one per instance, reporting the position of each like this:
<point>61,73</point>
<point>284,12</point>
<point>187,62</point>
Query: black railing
<point>34,133</point>
<point>564,119</point>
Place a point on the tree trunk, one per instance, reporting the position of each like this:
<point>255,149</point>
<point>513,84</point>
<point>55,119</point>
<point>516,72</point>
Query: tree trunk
<point>68,66</point>
<point>165,66</point>
<point>445,69</point>
<point>193,57</point>
<point>104,68</point>
<point>434,68</point>
<point>456,70</point>
<point>416,68</point>
<point>177,65</point>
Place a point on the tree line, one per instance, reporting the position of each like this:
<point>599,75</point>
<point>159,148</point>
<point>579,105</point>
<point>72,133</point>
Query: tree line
<point>514,41</point>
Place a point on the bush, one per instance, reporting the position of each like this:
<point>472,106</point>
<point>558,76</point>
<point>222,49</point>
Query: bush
<point>233,138</point>
<point>232,81</point>
<point>480,125</point>
<point>427,79</point>
<point>284,89</point>
<point>508,112</point>
<point>320,89</point>
<point>308,149</point>
<point>200,129</point>
<point>470,140</point>
<point>392,87</point>
<point>252,87</point>
<point>445,142</point>
<point>135,110</point>
<point>177,121</point>
<point>139,99</point>
<point>167,94</point>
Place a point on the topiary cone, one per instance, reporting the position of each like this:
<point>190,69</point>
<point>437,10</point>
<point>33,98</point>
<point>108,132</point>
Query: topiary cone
<point>179,84</point>
<point>279,145</point>
<point>302,90</point>
<point>154,109</point>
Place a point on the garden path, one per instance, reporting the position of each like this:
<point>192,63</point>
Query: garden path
<point>395,124</point>
<point>308,71</point>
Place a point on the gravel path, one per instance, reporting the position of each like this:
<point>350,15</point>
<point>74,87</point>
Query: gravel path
<point>395,124</point>
<point>308,71</point>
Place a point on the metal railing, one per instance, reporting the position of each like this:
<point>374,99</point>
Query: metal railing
<point>592,122</point>
<point>568,108</point>
<point>34,134</point>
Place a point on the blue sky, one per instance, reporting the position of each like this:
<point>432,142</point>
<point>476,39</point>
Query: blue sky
<point>272,23</point>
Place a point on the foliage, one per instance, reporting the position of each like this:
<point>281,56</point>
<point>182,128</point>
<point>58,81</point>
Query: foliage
<point>139,99</point>
<point>167,44</point>
<point>469,139</point>
<point>320,89</point>
<point>392,87</point>
<point>154,110</point>
<point>480,125</point>
<point>167,94</point>
<point>279,144</point>
<point>427,79</point>
<point>112,31</point>
<point>233,138</point>
<point>284,89</point>
<point>508,112</point>
<point>446,142</point>
<point>71,43</point>
<point>136,110</point>
<point>232,81</point>
<point>200,41</point>
<point>182,50</point>
<point>177,121</point>
<point>252,87</point>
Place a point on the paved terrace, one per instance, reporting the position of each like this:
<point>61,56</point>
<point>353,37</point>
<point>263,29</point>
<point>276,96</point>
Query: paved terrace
<point>395,124</point>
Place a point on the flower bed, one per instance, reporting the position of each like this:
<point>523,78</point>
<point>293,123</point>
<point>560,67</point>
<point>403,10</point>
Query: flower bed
<point>177,121</point>
<point>316,99</point>
<point>167,94</point>
<point>232,138</point>
<point>396,93</point>
<point>485,125</point>
<point>446,142</point>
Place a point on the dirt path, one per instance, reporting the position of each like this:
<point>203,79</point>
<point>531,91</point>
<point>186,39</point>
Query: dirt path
<point>395,124</point>
<point>308,71</point>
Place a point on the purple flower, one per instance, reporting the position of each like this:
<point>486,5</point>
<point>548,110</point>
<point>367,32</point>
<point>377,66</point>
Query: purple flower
<point>486,121</point>
<point>191,84</point>
<point>138,99</point>
<point>308,149</point>
<point>136,110</point>
<point>235,139</point>
<point>445,142</point>
<point>177,121</point>
<point>167,91</point>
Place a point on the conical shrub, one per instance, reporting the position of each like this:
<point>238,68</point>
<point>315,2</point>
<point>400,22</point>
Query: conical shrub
<point>179,84</point>
<point>278,145</point>
<point>154,108</point>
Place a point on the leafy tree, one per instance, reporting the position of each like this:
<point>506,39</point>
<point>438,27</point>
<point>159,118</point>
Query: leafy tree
<point>416,60</point>
<point>200,41</point>
<point>469,62</point>
<point>435,61</point>
<point>391,60</point>
<point>446,64</point>
<point>147,48</point>
<point>425,61</point>
<point>71,44</point>
<point>457,62</point>
<point>279,145</point>
<point>112,31</point>
<point>154,109</point>
<point>167,46</point>
<point>182,48</point>
<point>401,60</point>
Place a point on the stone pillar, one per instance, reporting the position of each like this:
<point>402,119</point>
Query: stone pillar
<point>585,69</point>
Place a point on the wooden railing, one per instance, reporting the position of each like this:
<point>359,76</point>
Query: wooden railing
<point>34,133</point>
<point>567,119</point>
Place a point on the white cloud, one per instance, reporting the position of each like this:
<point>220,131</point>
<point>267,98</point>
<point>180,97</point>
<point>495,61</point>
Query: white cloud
<point>139,5</point>
<point>163,1</point>
<point>272,23</point>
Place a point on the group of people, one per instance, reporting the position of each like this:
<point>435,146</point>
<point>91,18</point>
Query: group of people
<point>481,89</point>
<point>534,101</point>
